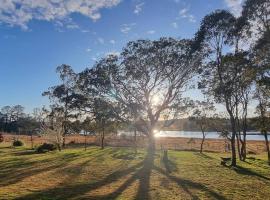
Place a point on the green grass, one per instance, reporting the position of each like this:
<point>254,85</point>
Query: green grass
<point>119,173</point>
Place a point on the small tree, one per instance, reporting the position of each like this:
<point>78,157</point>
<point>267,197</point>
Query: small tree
<point>203,117</point>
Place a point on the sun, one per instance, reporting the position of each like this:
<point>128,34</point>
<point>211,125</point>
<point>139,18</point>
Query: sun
<point>155,100</point>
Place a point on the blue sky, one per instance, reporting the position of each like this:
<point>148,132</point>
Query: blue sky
<point>38,35</point>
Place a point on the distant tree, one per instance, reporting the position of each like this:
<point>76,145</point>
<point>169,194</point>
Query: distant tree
<point>6,116</point>
<point>203,115</point>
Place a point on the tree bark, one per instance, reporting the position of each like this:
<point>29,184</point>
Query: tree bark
<point>102,137</point>
<point>203,138</point>
<point>233,164</point>
<point>238,144</point>
<point>32,144</point>
<point>85,140</point>
<point>267,146</point>
<point>135,140</point>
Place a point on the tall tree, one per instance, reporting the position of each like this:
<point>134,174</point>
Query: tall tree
<point>64,97</point>
<point>151,75</point>
<point>222,75</point>
<point>257,12</point>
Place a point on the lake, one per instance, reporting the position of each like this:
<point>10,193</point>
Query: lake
<point>198,134</point>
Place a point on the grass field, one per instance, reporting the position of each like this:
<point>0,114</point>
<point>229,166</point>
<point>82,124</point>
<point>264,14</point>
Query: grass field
<point>119,173</point>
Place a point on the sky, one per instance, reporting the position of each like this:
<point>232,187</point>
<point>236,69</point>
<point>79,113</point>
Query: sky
<point>36,36</point>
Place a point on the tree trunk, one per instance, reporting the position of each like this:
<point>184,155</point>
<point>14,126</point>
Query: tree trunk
<point>64,141</point>
<point>243,147</point>
<point>152,145</point>
<point>32,144</point>
<point>102,137</point>
<point>85,140</point>
<point>233,164</point>
<point>238,145</point>
<point>267,146</point>
<point>135,140</point>
<point>203,139</point>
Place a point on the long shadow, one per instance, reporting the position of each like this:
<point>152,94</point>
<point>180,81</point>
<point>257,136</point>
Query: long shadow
<point>21,167</point>
<point>186,184</point>
<point>203,155</point>
<point>169,165</point>
<point>142,174</point>
<point>245,171</point>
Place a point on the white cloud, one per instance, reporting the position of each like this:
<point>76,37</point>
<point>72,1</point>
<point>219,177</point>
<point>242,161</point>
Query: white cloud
<point>174,25</point>
<point>151,32</point>
<point>184,13</point>
<point>138,8</point>
<point>235,6</point>
<point>126,28</point>
<point>20,12</point>
<point>101,40</point>
<point>112,41</point>
<point>88,50</point>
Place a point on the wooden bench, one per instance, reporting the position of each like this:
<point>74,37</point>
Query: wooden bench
<point>224,160</point>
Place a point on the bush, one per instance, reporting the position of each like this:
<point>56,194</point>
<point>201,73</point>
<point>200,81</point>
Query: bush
<point>45,147</point>
<point>1,138</point>
<point>72,142</point>
<point>17,143</point>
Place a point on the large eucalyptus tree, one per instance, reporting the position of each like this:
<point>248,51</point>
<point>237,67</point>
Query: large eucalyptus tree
<point>147,80</point>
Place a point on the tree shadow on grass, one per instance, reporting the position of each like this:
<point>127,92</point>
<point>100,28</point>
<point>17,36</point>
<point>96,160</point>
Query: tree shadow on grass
<point>71,191</point>
<point>203,155</point>
<point>186,185</point>
<point>21,166</point>
<point>246,171</point>
<point>140,173</point>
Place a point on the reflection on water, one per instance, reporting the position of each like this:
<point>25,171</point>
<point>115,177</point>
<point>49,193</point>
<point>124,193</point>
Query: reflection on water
<point>198,134</point>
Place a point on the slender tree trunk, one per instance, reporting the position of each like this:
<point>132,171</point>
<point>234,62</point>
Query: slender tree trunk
<point>64,141</point>
<point>135,140</point>
<point>203,138</point>
<point>32,142</point>
<point>267,146</point>
<point>102,136</point>
<point>233,164</point>
<point>238,145</point>
<point>85,140</point>
<point>243,147</point>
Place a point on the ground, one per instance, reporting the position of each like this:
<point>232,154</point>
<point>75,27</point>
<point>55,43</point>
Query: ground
<point>119,173</point>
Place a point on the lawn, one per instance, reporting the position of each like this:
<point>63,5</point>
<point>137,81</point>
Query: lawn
<point>119,173</point>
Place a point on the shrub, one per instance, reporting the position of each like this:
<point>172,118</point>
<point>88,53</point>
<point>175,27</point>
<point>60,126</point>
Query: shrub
<point>1,138</point>
<point>45,147</point>
<point>72,142</point>
<point>17,143</point>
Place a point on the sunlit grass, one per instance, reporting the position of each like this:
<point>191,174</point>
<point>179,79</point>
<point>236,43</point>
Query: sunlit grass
<point>119,173</point>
